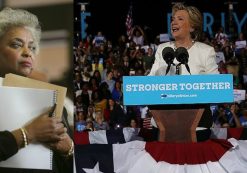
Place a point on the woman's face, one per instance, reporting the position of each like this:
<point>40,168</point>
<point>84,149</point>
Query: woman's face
<point>118,85</point>
<point>111,102</point>
<point>180,25</point>
<point>17,51</point>
<point>133,124</point>
<point>93,82</point>
<point>99,119</point>
<point>80,116</point>
<point>90,110</point>
<point>96,74</point>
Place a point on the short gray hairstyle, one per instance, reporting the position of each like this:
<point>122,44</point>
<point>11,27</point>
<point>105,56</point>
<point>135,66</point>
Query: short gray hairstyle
<point>20,18</point>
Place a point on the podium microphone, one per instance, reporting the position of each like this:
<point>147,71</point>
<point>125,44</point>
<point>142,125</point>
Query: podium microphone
<point>168,56</point>
<point>182,56</point>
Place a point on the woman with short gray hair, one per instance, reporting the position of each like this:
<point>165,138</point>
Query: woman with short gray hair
<point>20,34</point>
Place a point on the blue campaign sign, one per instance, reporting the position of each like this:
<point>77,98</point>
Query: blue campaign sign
<point>179,89</point>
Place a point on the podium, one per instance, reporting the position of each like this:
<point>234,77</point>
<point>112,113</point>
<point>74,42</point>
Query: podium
<point>177,123</point>
<point>177,103</point>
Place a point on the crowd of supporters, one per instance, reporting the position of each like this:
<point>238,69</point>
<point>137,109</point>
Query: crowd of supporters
<point>99,66</point>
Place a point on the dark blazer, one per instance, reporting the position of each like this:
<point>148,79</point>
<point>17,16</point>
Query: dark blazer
<point>8,145</point>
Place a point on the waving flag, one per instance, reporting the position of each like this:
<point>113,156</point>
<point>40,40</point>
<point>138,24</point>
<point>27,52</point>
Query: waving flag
<point>128,134</point>
<point>107,136</point>
<point>218,155</point>
<point>129,22</point>
<point>224,152</point>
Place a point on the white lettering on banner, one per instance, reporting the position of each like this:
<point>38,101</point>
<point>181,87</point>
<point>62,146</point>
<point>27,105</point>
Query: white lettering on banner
<point>128,88</point>
<point>141,87</point>
<point>202,86</point>
<point>182,86</point>
<point>214,86</point>
<point>148,87</point>
<point>162,87</point>
<point>205,86</point>
<point>151,87</point>
<point>135,86</point>
<point>208,85</point>
<point>227,85</point>
<point>221,85</point>
<point>174,87</point>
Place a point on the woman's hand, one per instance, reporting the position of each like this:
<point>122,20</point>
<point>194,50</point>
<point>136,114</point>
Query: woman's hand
<point>45,129</point>
<point>63,146</point>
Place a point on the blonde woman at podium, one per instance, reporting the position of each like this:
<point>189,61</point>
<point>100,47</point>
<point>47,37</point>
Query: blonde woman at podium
<point>186,28</point>
<point>20,34</point>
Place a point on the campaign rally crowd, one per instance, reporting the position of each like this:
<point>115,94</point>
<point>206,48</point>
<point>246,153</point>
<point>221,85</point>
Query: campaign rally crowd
<point>100,64</point>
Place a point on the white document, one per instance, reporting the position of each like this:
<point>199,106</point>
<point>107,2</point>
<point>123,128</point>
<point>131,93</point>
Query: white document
<point>239,95</point>
<point>240,44</point>
<point>245,78</point>
<point>18,106</point>
<point>164,37</point>
<point>1,81</point>
<point>220,57</point>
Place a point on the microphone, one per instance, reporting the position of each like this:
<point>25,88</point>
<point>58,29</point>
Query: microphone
<point>182,56</point>
<point>168,56</point>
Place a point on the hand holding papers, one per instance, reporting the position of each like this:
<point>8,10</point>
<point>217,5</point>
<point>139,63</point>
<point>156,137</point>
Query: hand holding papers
<point>18,107</point>
<point>28,107</point>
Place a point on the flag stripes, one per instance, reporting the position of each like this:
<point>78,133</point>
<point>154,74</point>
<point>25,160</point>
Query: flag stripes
<point>129,22</point>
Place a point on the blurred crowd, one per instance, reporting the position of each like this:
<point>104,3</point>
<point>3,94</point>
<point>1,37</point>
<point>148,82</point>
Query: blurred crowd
<point>100,64</point>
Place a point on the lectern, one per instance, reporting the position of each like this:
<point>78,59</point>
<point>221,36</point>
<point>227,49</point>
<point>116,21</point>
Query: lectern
<point>177,123</point>
<point>177,102</point>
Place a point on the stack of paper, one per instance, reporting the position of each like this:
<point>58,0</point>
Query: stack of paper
<point>20,81</point>
<point>23,99</point>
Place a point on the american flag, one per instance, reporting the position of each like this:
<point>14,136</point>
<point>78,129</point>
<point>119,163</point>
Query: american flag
<point>129,22</point>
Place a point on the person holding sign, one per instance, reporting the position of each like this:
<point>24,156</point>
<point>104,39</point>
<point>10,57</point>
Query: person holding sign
<point>20,34</point>
<point>186,28</point>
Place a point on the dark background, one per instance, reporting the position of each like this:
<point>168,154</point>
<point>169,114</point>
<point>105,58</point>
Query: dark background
<point>109,16</point>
